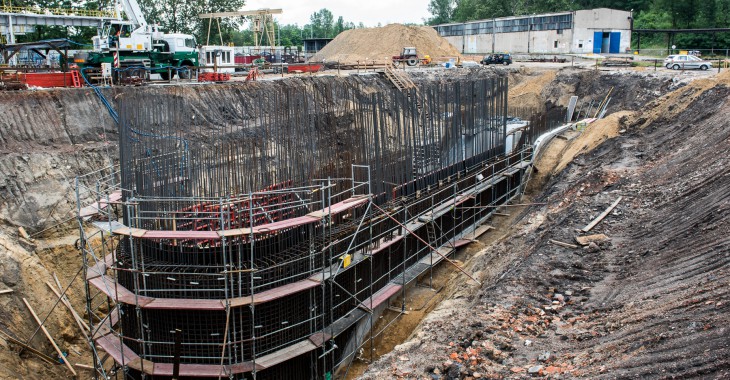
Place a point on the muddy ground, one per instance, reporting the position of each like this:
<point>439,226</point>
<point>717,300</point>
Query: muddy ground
<point>648,301</point>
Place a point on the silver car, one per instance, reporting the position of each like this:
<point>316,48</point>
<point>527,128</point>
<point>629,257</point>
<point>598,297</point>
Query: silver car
<point>684,61</point>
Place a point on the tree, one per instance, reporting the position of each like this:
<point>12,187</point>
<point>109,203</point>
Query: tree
<point>175,16</point>
<point>441,10</point>
<point>322,23</point>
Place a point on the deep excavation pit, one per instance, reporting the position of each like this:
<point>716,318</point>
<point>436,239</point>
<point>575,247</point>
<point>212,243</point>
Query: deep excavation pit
<point>47,138</point>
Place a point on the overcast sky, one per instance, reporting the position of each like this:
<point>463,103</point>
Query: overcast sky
<point>369,12</point>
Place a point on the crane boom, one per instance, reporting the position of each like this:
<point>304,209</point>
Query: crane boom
<point>134,12</point>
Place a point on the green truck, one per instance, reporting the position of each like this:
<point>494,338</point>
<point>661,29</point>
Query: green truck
<point>133,43</point>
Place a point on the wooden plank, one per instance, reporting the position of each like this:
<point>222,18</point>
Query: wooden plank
<point>386,244</point>
<point>381,296</point>
<point>562,244</point>
<point>50,339</point>
<point>481,230</point>
<point>603,215</point>
<point>462,242</point>
<point>134,232</point>
<point>111,345</point>
<point>32,350</point>
<point>319,338</point>
<point>80,322</point>
<point>285,354</point>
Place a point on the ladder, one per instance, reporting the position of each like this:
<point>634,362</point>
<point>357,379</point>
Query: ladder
<point>75,78</point>
<point>400,80</point>
<point>431,231</point>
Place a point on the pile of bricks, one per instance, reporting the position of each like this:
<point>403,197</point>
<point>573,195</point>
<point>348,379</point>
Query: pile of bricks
<point>214,77</point>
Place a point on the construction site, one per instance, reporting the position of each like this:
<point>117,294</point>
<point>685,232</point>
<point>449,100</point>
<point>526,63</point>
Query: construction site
<point>396,213</point>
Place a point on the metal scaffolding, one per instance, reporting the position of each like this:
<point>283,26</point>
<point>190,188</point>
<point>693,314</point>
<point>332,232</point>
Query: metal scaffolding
<point>264,246</point>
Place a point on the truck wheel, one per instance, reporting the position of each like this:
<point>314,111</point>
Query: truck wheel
<point>412,61</point>
<point>185,74</point>
<point>506,63</point>
<point>186,71</point>
<point>165,75</point>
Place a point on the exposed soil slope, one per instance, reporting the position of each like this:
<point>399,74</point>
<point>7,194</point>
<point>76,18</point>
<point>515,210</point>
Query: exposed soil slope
<point>651,302</point>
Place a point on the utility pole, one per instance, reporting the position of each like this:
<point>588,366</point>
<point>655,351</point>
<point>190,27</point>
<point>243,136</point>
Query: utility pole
<point>494,33</point>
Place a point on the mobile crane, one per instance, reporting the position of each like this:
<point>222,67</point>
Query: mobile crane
<point>135,43</point>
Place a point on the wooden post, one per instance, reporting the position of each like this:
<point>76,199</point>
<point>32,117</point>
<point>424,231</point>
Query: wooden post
<point>50,339</point>
<point>82,325</point>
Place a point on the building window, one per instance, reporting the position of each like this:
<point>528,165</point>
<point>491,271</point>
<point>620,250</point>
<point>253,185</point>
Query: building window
<point>580,44</point>
<point>555,44</point>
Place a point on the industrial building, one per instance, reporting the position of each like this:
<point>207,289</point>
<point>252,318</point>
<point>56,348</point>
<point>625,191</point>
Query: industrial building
<point>599,31</point>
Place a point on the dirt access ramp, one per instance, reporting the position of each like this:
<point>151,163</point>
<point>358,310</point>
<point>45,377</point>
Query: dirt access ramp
<point>378,45</point>
<point>651,301</point>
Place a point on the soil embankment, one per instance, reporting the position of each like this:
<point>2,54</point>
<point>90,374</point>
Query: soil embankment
<point>378,45</point>
<point>649,301</point>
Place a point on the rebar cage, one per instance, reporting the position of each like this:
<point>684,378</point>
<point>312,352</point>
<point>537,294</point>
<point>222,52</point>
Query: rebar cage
<point>254,247</point>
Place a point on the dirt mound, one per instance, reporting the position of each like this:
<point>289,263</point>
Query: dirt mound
<point>380,44</point>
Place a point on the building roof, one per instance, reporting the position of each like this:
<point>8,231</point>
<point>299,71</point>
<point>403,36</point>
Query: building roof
<point>534,15</point>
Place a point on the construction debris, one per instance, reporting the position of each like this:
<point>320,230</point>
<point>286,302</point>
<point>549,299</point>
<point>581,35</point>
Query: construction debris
<point>562,244</point>
<point>585,240</point>
<point>599,218</point>
<point>23,233</point>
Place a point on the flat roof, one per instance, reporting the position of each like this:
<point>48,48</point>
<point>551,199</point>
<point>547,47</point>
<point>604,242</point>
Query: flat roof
<point>527,16</point>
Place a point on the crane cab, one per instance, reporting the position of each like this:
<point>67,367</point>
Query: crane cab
<point>121,35</point>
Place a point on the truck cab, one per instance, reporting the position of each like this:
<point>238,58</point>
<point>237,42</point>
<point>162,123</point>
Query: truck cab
<point>179,43</point>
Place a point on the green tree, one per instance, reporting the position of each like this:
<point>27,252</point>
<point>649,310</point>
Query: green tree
<point>441,10</point>
<point>182,17</point>
<point>322,23</point>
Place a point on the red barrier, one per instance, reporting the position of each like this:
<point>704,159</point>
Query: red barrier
<point>48,79</point>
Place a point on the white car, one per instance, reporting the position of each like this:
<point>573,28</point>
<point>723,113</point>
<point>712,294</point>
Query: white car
<point>684,61</point>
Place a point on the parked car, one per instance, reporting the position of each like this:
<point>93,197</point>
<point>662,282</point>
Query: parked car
<point>685,62</point>
<point>497,59</point>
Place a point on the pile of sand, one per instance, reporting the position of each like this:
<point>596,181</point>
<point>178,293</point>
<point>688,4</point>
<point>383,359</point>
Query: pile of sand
<point>380,44</point>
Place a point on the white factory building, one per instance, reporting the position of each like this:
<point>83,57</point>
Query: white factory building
<point>600,31</point>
